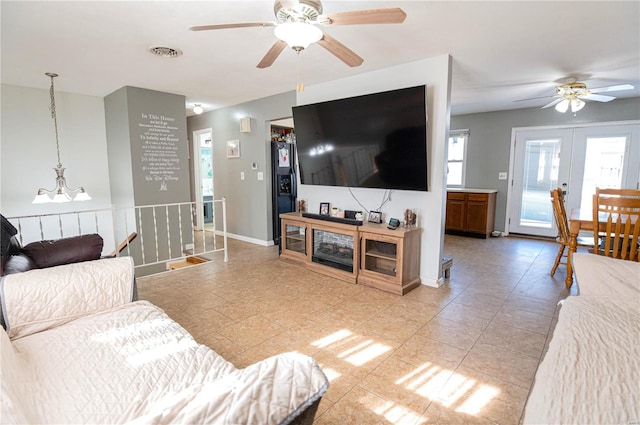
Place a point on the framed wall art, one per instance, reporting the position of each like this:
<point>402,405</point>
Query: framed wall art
<point>233,149</point>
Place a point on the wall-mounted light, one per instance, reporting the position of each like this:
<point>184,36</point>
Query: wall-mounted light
<point>197,109</point>
<point>245,125</point>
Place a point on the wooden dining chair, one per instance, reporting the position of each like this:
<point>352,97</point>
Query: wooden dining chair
<point>618,211</point>
<point>562,224</point>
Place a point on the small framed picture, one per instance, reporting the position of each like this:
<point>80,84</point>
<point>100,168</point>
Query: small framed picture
<point>233,149</point>
<point>375,216</point>
<point>324,208</point>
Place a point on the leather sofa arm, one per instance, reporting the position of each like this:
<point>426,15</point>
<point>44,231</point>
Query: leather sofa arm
<point>56,252</point>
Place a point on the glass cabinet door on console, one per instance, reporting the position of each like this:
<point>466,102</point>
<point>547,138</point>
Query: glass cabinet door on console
<point>294,240</point>
<point>389,259</point>
<point>380,256</point>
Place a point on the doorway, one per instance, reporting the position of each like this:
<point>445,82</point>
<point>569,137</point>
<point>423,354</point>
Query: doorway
<point>203,178</point>
<point>577,159</point>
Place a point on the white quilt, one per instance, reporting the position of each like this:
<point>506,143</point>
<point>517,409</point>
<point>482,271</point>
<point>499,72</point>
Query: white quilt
<point>591,373</point>
<point>132,364</point>
<point>599,276</point>
<point>44,298</point>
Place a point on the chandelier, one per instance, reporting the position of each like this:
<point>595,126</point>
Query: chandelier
<point>61,192</point>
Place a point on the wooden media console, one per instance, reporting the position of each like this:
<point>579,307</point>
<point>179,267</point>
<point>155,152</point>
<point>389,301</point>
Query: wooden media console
<point>369,254</point>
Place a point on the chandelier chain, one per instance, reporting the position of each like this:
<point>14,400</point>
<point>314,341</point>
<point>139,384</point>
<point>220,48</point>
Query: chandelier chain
<point>52,107</point>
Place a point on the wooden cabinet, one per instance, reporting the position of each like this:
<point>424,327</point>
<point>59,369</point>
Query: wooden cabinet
<point>370,255</point>
<point>456,211</point>
<point>390,262</point>
<point>471,213</point>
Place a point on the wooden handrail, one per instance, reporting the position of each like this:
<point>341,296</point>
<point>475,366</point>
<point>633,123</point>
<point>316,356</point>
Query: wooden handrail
<point>124,244</point>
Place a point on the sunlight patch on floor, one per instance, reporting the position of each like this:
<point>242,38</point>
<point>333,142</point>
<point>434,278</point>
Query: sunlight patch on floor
<point>331,339</point>
<point>395,414</point>
<point>480,398</point>
<point>449,389</point>
<point>364,352</point>
<point>331,374</point>
<point>455,389</point>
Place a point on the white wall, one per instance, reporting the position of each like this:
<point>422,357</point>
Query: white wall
<point>430,206</point>
<point>28,151</point>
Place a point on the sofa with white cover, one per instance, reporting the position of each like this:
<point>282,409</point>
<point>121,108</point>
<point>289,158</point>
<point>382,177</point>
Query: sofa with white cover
<point>591,371</point>
<point>77,350</point>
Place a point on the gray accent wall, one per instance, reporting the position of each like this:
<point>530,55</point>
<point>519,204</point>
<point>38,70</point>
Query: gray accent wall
<point>148,155</point>
<point>248,201</point>
<point>489,145</point>
<point>147,141</point>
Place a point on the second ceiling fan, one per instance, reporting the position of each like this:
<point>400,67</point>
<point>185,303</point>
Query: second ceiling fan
<point>573,94</point>
<point>298,25</point>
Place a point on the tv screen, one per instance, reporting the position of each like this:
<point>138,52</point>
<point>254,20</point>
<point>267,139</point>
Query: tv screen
<point>377,140</point>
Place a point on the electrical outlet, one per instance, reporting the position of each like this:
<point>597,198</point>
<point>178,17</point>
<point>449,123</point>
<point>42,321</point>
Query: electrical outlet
<point>260,175</point>
<point>241,175</point>
<point>502,175</point>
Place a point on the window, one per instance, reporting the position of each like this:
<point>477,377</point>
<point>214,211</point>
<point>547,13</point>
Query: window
<point>456,155</point>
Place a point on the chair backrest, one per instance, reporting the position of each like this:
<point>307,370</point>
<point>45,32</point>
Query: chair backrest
<point>560,215</point>
<point>619,211</point>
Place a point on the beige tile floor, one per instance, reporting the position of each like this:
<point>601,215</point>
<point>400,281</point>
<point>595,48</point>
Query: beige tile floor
<point>464,353</point>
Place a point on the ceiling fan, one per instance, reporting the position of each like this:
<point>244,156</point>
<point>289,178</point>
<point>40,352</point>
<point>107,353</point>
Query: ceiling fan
<point>297,25</point>
<point>572,93</point>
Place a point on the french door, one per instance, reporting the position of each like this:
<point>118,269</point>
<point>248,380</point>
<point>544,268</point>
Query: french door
<point>576,159</point>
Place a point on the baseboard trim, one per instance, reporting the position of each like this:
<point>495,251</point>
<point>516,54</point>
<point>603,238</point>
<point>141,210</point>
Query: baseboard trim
<point>246,239</point>
<point>437,283</point>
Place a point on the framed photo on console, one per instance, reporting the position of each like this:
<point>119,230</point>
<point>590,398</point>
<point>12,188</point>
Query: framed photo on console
<point>324,208</point>
<point>375,217</point>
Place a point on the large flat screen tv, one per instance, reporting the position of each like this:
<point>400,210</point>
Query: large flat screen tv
<point>377,140</point>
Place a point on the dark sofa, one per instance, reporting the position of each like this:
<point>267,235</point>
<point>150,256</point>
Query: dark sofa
<point>48,253</point>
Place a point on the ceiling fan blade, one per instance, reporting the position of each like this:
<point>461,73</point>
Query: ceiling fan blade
<point>533,98</point>
<point>392,15</point>
<point>612,88</point>
<point>597,97</point>
<point>236,25</point>
<point>340,51</point>
<point>272,54</point>
<point>555,102</point>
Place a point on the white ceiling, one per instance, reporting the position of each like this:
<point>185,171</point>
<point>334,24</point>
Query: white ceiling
<point>502,51</point>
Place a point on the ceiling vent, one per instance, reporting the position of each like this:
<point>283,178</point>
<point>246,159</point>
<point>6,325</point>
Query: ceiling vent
<point>165,52</point>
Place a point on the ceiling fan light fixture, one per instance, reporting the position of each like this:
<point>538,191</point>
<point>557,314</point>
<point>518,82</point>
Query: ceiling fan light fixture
<point>298,35</point>
<point>577,104</point>
<point>562,106</point>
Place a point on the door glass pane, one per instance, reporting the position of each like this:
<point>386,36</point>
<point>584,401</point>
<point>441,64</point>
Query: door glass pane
<point>602,167</point>
<point>542,158</point>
